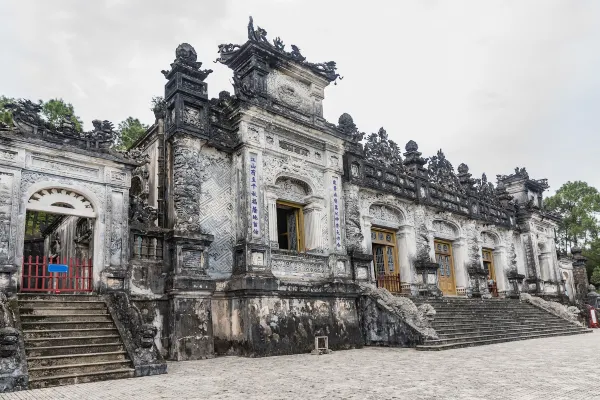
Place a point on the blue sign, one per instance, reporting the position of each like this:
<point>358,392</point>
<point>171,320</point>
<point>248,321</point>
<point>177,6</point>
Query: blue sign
<point>58,268</point>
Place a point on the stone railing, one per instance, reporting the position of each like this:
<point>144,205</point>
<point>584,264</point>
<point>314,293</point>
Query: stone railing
<point>138,336</point>
<point>13,363</point>
<point>568,313</point>
<point>392,320</point>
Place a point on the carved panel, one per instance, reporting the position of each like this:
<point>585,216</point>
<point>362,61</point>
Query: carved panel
<point>291,166</point>
<point>117,233</point>
<point>289,91</point>
<point>8,155</point>
<point>387,214</point>
<point>192,116</point>
<point>71,169</point>
<point>192,260</point>
<point>283,266</point>
<point>6,198</point>
<point>444,228</point>
<point>488,240</point>
<point>186,190</point>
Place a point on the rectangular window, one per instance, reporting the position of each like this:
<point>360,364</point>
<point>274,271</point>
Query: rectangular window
<point>290,226</point>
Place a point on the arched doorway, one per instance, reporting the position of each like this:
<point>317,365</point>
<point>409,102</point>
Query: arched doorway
<point>58,242</point>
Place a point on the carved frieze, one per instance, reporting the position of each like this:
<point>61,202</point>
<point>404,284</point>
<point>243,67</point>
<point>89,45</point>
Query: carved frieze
<point>295,266</point>
<point>444,228</point>
<point>67,168</point>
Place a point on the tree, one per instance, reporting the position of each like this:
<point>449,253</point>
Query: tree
<point>56,111</point>
<point>5,115</point>
<point>593,257</point>
<point>579,206</point>
<point>129,130</point>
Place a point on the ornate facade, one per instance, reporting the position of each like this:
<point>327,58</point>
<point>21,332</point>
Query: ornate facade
<point>247,224</point>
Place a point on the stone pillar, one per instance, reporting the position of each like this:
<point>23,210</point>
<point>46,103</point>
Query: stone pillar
<point>499,255</point>
<point>544,260</point>
<point>406,252</point>
<point>272,207</point>
<point>461,257</point>
<point>368,245</point>
<point>312,226</point>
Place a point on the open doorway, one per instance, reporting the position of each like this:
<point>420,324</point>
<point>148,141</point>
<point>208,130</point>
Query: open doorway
<point>58,244</point>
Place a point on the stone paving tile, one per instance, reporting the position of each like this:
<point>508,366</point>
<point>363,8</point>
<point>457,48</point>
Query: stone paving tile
<point>560,368</point>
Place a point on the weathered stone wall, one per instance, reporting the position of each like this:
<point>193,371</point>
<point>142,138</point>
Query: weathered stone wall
<point>217,211</point>
<point>267,325</point>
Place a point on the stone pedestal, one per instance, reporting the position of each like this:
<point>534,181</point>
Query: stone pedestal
<point>190,290</point>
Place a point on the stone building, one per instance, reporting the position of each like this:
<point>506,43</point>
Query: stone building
<point>248,224</point>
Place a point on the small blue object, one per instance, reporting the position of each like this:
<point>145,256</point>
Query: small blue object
<point>58,268</point>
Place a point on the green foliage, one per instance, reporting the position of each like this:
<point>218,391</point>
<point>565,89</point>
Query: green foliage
<point>579,206</point>
<point>592,253</point>
<point>130,130</point>
<point>56,111</point>
<point>595,278</point>
<point>5,115</point>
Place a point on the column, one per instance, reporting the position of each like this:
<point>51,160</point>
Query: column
<point>368,245</point>
<point>459,253</point>
<point>406,251</point>
<point>272,207</point>
<point>312,227</point>
<point>499,255</point>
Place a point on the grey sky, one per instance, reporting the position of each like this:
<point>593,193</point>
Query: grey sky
<point>495,84</point>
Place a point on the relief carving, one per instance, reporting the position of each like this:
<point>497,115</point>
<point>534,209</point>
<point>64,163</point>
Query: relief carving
<point>186,188</point>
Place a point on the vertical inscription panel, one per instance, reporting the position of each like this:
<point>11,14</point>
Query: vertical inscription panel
<point>253,195</point>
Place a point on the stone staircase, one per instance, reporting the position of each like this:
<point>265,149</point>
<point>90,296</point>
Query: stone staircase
<point>71,339</point>
<point>462,322</point>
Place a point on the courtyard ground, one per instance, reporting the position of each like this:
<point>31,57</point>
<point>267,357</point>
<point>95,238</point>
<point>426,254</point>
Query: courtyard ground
<point>550,369</point>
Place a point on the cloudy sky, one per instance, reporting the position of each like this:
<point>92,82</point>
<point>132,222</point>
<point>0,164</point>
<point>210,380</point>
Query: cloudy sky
<point>495,84</point>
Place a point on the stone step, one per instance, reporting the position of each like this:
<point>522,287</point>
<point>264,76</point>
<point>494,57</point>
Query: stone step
<point>497,335</point>
<point>69,332</point>
<point>443,327</point>
<point>67,318</point>
<point>492,318</point>
<point>78,349</point>
<point>71,340</point>
<point>69,369</point>
<point>72,379</point>
<point>52,325</point>
<point>425,347</point>
<point>46,361</point>
<point>26,311</point>
<point>42,304</point>
<point>476,330</point>
<point>58,297</point>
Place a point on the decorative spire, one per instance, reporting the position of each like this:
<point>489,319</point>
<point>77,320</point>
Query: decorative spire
<point>186,60</point>
<point>347,126</point>
<point>413,161</point>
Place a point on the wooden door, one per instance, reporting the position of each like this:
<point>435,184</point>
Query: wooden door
<point>385,260</point>
<point>446,278</point>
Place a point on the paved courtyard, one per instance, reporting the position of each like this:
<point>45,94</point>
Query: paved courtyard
<point>549,369</point>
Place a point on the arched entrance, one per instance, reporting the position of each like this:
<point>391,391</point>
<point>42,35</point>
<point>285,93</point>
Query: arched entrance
<point>58,242</point>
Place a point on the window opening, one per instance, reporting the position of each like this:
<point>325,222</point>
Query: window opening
<point>290,226</point>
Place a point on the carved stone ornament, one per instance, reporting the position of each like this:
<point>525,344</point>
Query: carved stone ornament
<point>28,120</point>
<point>186,61</point>
<point>347,126</point>
<point>380,150</point>
<point>327,70</point>
<point>186,169</point>
<point>441,172</point>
